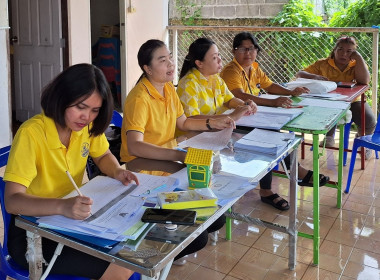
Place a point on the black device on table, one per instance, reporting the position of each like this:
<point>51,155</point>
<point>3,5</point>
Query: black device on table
<point>345,84</point>
<point>169,216</point>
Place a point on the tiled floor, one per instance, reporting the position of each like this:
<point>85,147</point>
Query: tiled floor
<point>350,237</point>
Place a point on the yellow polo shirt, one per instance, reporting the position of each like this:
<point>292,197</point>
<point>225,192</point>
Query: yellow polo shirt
<point>38,160</point>
<point>236,78</point>
<point>148,112</point>
<point>327,68</point>
<point>199,95</point>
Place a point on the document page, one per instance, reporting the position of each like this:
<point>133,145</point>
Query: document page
<point>116,207</point>
<point>269,117</point>
<point>265,141</point>
<point>209,140</point>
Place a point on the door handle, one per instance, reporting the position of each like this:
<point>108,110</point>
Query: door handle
<point>14,39</point>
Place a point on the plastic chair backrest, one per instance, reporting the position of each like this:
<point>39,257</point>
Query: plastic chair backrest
<point>117,119</point>
<point>376,134</point>
<point>7,266</point>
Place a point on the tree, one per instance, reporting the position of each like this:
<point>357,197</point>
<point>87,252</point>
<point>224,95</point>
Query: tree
<point>363,13</point>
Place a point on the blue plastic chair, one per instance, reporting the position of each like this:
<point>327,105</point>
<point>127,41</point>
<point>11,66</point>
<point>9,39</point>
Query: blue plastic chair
<point>117,119</point>
<point>7,266</point>
<point>91,169</point>
<point>368,141</point>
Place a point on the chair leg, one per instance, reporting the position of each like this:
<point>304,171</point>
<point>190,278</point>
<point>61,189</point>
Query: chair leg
<point>347,128</point>
<point>352,165</point>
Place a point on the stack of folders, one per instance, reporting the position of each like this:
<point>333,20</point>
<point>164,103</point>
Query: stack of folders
<point>265,141</point>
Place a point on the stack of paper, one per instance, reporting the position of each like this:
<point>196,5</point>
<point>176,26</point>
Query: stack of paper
<point>265,141</point>
<point>315,86</point>
<point>116,210</point>
<point>269,117</point>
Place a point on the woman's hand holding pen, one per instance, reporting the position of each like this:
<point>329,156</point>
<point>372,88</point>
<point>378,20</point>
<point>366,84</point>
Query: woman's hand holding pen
<point>222,123</point>
<point>299,90</point>
<point>78,207</point>
<point>282,101</point>
<point>241,110</point>
<point>252,107</point>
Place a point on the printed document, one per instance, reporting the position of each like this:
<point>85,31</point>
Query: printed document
<point>265,141</point>
<point>209,140</point>
<point>269,117</point>
<point>116,209</point>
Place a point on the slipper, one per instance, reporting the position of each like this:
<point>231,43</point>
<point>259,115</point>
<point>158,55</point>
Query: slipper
<point>270,200</point>
<point>306,180</point>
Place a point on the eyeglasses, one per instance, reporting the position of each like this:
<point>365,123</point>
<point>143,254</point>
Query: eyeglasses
<point>244,50</point>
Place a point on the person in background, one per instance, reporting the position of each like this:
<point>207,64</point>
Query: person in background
<point>245,78</point>
<point>345,64</point>
<point>202,91</point>
<point>77,108</point>
<point>152,111</point>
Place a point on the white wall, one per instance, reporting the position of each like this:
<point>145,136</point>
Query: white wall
<point>149,21</point>
<point>5,104</point>
<point>79,31</point>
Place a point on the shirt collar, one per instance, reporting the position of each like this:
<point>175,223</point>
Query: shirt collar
<point>52,136</point>
<point>254,65</point>
<point>150,89</point>
<point>351,64</point>
<point>202,79</point>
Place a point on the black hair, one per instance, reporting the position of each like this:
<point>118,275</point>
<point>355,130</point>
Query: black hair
<point>197,51</point>
<point>239,38</point>
<point>343,40</point>
<point>74,85</point>
<point>145,54</point>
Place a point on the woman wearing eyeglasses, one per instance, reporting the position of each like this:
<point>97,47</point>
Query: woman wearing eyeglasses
<point>245,78</point>
<point>345,64</point>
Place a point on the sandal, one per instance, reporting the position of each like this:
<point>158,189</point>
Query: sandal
<point>306,180</point>
<point>270,200</point>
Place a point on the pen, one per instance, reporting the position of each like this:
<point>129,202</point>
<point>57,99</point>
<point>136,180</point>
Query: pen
<point>292,107</point>
<point>155,189</point>
<point>73,182</point>
<point>75,185</point>
<point>179,149</point>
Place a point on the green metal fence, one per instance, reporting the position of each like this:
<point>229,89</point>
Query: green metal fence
<point>284,51</point>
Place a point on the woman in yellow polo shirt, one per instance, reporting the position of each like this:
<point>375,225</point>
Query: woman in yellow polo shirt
<point>202,91</point>
<point>345,64</point>
<point>152,111</point>
<point>77,108</point>
<point>245,78</point>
